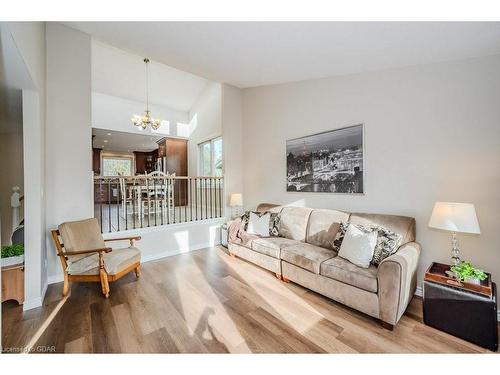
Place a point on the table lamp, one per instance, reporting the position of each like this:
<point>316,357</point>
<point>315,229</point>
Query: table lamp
<point>236,201</point>
<point>454,217</point>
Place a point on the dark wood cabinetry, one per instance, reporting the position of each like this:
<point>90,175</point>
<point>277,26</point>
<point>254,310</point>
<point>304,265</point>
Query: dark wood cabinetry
<point>145,161</point>
<point>96,161</point>
<point>175,154</point>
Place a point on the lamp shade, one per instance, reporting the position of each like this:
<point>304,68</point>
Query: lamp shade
<point>236,200</point>
<point>454,217</point>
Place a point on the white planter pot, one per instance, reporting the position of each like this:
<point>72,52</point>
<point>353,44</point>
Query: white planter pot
<point>473,281</point>
<point>10,261</point>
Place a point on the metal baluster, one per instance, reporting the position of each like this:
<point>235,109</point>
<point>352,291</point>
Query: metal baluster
<point>134,199</point>
<point>174,200</point>
<point>125,199</point>
<point>100,203</point>
<point>210,197</point>
<point>206,199</point>
<point>195,198</point>
<point>109,204</point>
<point>163,191</point>
<point>215,192</point>
<point>184,193</point>
<point>118,204</point>
<point>191,198</point>
<point>155,201</point>
<point>169,187</point>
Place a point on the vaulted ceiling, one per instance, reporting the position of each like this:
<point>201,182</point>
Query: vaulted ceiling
<point>248,54</point>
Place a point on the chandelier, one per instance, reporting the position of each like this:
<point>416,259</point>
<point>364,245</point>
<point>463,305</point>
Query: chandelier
<point>146,119</point>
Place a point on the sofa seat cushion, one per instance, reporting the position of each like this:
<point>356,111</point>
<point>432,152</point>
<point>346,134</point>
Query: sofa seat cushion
<point>306,256</point>
<point>114,262</point>
<point>271,246</point>
<point>342,270</point>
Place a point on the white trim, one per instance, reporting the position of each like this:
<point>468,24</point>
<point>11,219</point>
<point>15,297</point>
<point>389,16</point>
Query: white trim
<point>32,303</point>
<point>36,302</point>
<point>418,291</point>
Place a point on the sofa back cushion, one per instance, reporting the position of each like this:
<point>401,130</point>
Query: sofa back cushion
<point>403,225</point>
<point>270,207</point>
<point>293,222</point>
<point>323,226</point>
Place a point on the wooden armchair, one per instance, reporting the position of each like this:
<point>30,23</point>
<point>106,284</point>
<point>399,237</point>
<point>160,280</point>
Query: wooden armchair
<point>86,258</point>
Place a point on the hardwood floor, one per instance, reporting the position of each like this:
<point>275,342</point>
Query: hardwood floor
<point>208,302</point>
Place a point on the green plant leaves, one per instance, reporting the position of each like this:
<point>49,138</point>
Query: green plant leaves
<point>12,250</point>
<point>466,270</point>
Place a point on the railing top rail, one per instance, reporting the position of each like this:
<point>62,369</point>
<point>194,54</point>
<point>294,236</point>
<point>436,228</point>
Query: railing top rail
<point>155,177</point>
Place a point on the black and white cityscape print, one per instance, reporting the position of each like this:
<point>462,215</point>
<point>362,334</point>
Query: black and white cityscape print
<point>330,162</point>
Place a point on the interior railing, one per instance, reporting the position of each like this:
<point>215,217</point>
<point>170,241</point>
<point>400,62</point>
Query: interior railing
<point>123,203</point>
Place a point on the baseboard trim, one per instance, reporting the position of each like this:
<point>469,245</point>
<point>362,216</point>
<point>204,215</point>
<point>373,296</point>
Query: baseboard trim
<point>36,302</point>
<point>32,303</point>
<point>59,278</point>
<point>418,292</point>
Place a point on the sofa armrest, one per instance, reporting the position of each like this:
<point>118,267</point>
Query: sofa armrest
<point>397,280</point>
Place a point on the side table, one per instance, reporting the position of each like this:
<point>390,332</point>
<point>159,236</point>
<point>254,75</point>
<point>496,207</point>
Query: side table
<point>13,283</point>
<point>223,234</point>
<point>468,311</point>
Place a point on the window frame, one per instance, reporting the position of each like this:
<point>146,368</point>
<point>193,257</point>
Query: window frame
<point>201,160</point>
<point>116,155</point>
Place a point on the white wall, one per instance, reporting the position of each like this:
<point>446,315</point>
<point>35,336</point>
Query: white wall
<point>113,113</point>
<point>68,134</point>
<point>30,41</point>
<point>432,133</point>
<point>205,122</point>
<point>11,165</point>
<point>232,138</point>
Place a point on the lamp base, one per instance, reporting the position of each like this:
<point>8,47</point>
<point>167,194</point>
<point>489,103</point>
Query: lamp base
<point>455,251</point>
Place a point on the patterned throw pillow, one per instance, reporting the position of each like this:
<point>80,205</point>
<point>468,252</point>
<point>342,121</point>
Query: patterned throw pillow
<point>245,218</point>
<point>387,244</point>
<point>387,241</point>
<point>274,224</point>
<point>274,221</point>
<point>339,237</point>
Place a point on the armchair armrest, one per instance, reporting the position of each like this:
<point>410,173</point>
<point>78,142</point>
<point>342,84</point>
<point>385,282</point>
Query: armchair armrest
<point>131,239</point>
<point>397,280</point>
<point>90,251</point>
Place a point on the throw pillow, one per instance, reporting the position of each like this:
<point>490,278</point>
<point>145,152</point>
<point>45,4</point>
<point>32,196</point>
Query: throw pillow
<point>274,224</point>
<point>387,244</point>
<point>245,218</point>
<point>259,224</point>
<point>339,237</point>
<point>358,245</point>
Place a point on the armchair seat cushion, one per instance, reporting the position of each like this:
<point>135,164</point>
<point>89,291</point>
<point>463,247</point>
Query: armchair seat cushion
<point>306,256</point>
<point>271,246</point>
<point>114,262</point>
<point>341,269</point>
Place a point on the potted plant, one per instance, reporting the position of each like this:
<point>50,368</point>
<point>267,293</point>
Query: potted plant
<point>466,272</point>
<point>12,254</point>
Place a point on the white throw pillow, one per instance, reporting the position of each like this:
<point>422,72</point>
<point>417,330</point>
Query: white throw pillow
<point>358,246</point>
<point>259,224</point>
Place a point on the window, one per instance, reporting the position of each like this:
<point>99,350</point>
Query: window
<point>211,163</point>
<point>117,165</point>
